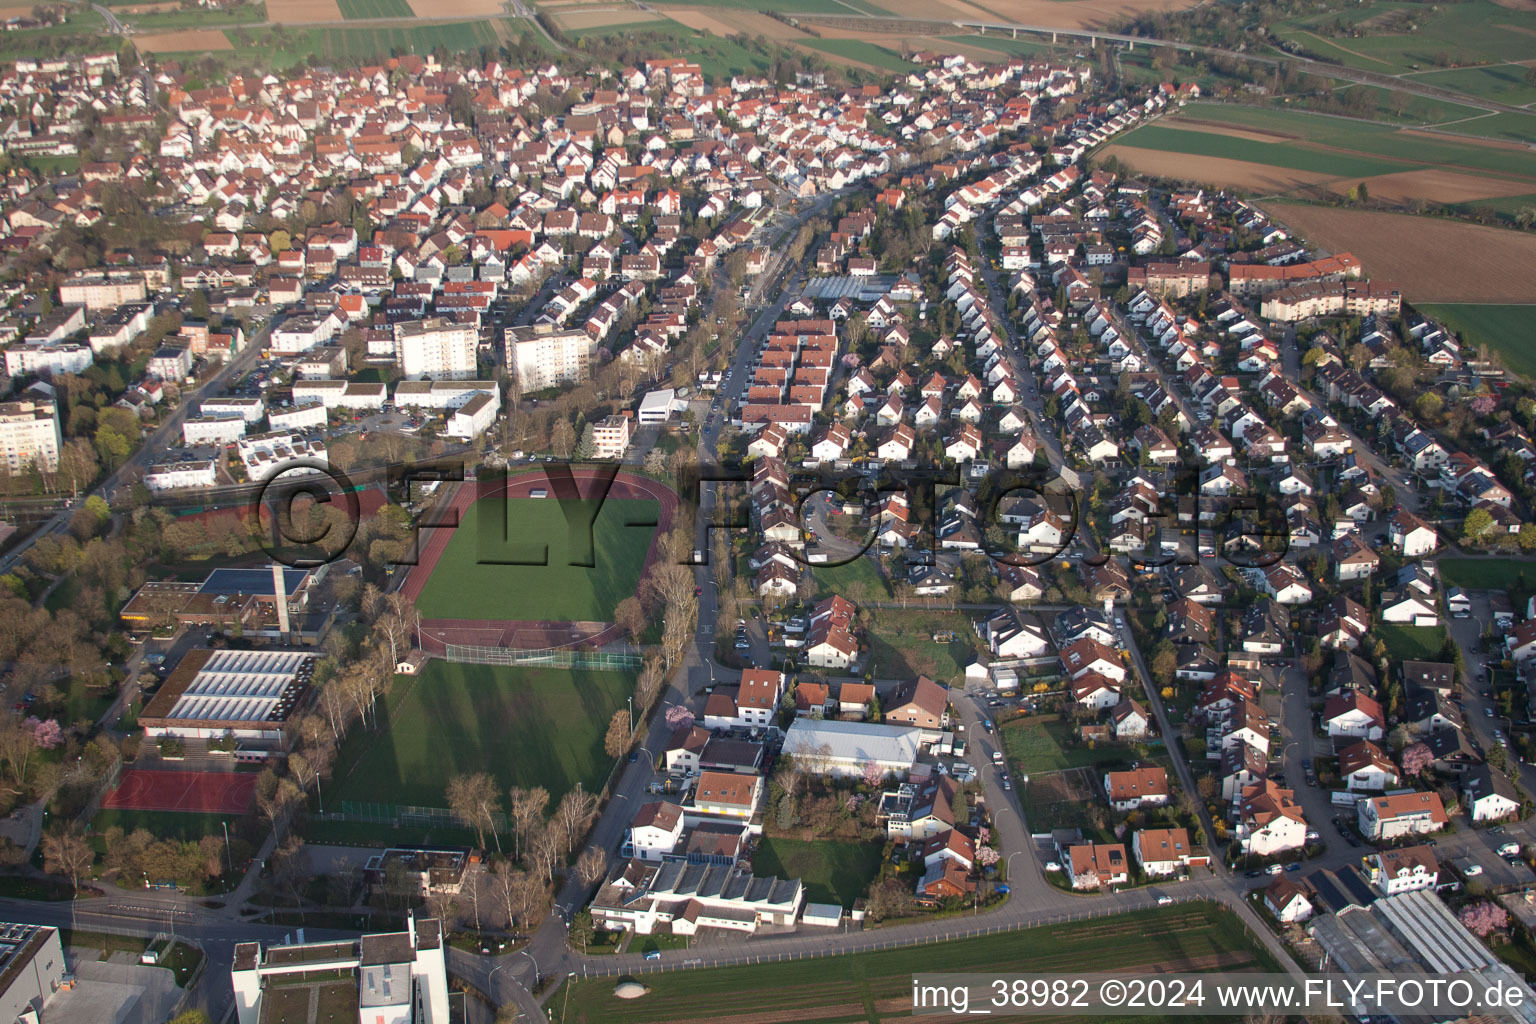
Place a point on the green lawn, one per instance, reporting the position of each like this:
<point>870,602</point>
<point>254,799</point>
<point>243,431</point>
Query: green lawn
<point>526,726</point>
<point>1041,743</point>
<point>187,826</point>
<point>851,986</point>
<point>901,643</point>
<point>353,10</point>
<point>832,872</point>
<point>835,579</point>
<point>1411,643</point>
<point>861,51</point>
<point>1509,330</point>
<point>1474,32</point>
<point>170,21</point>
<point>268,49</point>
<point>1167,137</point>
<point>1504,83</point>
<point>476,580</point>
<point>1488,574</point>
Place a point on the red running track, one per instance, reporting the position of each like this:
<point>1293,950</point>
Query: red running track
<point>142,789</point>
<point>436,634</point>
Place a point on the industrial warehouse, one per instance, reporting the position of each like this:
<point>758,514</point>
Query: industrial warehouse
<point>247,694</point>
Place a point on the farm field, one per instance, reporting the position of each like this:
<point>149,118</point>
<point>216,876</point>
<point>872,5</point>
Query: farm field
<point>587,19</point>
<point>189,40</point>
<point>467,582</point>
<point>725,22</point>
<point>716,55</point>
<point>457,8</point>
<point>298,12</point>
<point>1510,330</point>
<point>1504,83</point>
<point>861,52</point>
<point>877,986</point>
<point>1397,37</point>
<point>525,726</point>
<point>1282,150</point>
<point>1040,743</point>
<point>1057,13</point>
<point>832,872</point>
<point>175,17</point>
<point>1432,259</point>
<point>354,10</point>
<point>1411,643</point>
<point>786,6</point>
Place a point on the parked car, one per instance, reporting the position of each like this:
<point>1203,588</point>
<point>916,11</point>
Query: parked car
<point>1509,850</point>
<point>1163,901</point>
<point>1275,869</point>
<point>654,954</point>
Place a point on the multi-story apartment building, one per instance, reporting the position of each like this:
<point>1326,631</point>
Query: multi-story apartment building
<point>29,435</point>
<point>436,349</point>
<point>544,356</point>
<point>102,289</point>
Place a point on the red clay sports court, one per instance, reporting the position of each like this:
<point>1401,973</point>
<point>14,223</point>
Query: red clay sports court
<point>141,789</point>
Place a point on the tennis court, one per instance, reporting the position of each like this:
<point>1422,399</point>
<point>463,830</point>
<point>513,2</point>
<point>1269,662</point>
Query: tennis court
<point>142,789</point>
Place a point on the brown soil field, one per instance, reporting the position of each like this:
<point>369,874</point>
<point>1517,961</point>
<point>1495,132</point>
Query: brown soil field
<point>1517,5</point>
<point>456,8</point>
<point>1442,186</point>
<point>299,12</point>
<point>1432,260</point>
<point>1213,170</point>
<point>146,9</point>
<point>1061,13</point>
<point>723,23</point>
<point>191,39</point>
<point>602,17</point>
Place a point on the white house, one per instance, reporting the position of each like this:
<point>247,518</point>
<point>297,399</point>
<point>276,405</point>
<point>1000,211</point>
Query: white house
<point>1388,817</point>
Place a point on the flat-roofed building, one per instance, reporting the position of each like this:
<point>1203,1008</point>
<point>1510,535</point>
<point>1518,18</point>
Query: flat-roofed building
<point>31,969</point>
<point>102,289</point>
<point>543,356</point>
<point>249,695</point>
<point>385,978</point>
<point>610,437</point>
<point>29,435</point>
<point>436,348</point>
<point>844,748</point>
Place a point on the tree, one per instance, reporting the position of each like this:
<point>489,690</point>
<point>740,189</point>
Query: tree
<point>473,800</point>
<point>592,865</point>
<point>572,815</point>
<point>66,851</point>
<point>630,617</point>
<point>1477,523</point>
<point>986,856</point>
<point>1416,758</point>
<point>679,717</point>
<point>1483,918</point>
<point>527,810</point>
<point>563,439</point>
<point>616,741</point>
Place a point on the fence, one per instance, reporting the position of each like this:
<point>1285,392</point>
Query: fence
<point>405,815</point>
<point>555,657</point>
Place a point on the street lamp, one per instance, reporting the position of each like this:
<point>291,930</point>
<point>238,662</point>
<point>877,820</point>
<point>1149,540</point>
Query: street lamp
<point>631,701</point>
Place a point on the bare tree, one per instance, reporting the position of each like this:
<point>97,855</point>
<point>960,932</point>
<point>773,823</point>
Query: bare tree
<point>474,801</point>
<point>528,806</point>
<point>617,739</point>
<point>592,865</point>
<point>545,846</point>
<point>572,815</point>
<point>67,851</point>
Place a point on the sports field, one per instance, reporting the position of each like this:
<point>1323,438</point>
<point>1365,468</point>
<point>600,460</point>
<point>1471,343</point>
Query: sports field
<point>475,578</point>
<point>877,986</point>
<point>1509,330</point>
<point>526,727</point>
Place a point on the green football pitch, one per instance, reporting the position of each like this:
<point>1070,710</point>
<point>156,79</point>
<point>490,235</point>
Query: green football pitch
<point>525,726</point>
<point>484,572</point>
